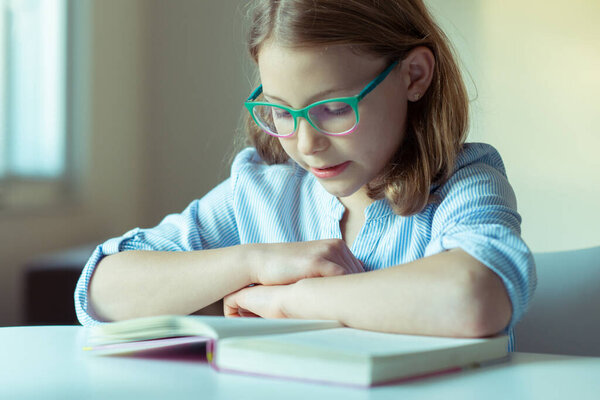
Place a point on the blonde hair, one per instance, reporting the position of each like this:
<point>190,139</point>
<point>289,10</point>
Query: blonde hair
<point>436,125</point>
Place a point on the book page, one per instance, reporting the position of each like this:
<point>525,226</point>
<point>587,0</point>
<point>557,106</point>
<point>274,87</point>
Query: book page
<point>145,328</point>
<point>233,327</point>
<point>214,327</point>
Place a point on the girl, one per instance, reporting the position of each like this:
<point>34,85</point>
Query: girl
<point>358,200</point>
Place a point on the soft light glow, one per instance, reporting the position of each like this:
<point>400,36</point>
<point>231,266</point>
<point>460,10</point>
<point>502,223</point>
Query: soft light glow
<point>34,94</point>
<point>536,87</point>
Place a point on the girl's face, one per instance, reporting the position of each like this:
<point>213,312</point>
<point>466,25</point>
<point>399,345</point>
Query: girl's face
<point>297,77</point>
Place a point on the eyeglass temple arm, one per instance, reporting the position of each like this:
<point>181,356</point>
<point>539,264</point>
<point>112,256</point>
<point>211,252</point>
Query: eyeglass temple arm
<point>373,84</point>
<point>255,93</point>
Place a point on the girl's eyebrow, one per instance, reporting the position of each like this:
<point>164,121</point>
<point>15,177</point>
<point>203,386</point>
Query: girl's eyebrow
<point>312,99</point>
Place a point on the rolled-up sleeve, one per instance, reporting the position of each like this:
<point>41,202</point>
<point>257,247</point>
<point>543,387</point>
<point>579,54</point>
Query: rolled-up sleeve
<point>205,224</point>
<point>477,212</point>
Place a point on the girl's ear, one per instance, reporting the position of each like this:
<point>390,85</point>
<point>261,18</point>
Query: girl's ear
<point>418,67</point>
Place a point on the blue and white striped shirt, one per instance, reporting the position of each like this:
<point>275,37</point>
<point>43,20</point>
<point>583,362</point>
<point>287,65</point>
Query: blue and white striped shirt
<point>476,211</point>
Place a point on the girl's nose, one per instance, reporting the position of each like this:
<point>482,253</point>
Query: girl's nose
<point>309,140</point>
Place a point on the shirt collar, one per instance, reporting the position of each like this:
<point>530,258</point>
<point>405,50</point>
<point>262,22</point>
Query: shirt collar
<point>378,209</point>
<point>329,204</point>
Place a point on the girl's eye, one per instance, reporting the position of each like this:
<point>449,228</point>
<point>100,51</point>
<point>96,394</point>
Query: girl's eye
<point>335,109</point>
<point>278,113</point>
<point>338,109</point>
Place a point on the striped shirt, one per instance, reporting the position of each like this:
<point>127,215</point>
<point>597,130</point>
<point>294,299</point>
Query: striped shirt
<point>475,210</point>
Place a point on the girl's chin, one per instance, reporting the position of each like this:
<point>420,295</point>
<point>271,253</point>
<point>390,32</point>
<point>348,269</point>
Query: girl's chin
<point>340,191</point>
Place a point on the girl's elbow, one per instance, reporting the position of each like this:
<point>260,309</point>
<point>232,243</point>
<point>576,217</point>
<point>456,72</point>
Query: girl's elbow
<point>490,308</point>
<point>489,322</point>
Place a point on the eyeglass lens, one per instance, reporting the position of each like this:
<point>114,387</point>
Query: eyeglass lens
<point>334,118</point>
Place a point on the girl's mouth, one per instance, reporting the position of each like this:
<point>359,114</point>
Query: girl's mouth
<point>330,172</point>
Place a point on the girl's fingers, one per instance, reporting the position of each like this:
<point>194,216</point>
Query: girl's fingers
<point>342,257</point>
<point>358,265</point>
<point>352,263</point>
<point>230,306</point>
<point>331,268</point>
<point>245,313</point>
<point>286,263</point>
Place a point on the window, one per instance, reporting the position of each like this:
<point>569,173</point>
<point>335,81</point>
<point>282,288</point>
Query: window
<point>34,145</point>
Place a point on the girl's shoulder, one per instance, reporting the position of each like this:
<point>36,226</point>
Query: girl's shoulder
<point>479,155</point>
<point>478,170</point>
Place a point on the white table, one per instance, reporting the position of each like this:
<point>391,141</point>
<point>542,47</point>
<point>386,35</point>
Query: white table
<point>49,363</point>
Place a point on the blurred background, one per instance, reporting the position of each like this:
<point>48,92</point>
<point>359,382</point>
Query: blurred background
<point>114,113</point>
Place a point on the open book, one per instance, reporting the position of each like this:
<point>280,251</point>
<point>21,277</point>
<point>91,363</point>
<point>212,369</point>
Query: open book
<point>322,351</point>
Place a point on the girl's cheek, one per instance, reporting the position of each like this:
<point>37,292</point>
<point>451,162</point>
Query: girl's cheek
<point>287,147</point>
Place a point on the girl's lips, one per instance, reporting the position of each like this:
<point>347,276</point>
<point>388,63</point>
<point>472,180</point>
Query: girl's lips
<point>329,172</point>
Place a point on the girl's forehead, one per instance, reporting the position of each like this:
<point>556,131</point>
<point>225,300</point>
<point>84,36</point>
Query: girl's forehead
<point>306,70</point>
<point>343,57</point>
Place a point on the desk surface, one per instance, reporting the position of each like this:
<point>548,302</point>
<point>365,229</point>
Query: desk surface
<point>49,363</point>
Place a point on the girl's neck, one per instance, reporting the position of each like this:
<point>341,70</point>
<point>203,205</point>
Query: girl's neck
<point>354,216</point>
<point>357,202</point>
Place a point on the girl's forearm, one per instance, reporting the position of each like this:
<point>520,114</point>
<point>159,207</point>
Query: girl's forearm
<point>449,294</point>
<point>143,283</point>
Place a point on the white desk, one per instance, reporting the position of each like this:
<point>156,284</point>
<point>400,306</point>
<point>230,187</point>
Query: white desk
<point>48,363</point>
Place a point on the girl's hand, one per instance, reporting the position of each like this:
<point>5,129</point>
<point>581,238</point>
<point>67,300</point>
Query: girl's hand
<point>257,301</point>
<point>285,263</point>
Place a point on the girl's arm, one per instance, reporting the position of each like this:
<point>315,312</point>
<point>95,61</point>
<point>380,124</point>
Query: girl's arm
<point>448,294</point>
<point>142,283</point>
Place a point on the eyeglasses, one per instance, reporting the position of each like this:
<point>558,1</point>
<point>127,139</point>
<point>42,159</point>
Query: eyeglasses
<point>333,117</point>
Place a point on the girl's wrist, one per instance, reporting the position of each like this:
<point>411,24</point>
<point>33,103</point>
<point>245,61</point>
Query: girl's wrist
<point>296,302</point>
<point>289,301</point>
<point>249,257</point>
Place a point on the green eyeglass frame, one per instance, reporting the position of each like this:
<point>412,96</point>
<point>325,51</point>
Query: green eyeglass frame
<point>352,101</point>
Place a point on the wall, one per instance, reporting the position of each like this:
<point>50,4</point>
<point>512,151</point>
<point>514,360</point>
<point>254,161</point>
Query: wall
<point>197,84</point>
<point>113,162</point>
<point>536,95</point>
<point>167,84</point>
